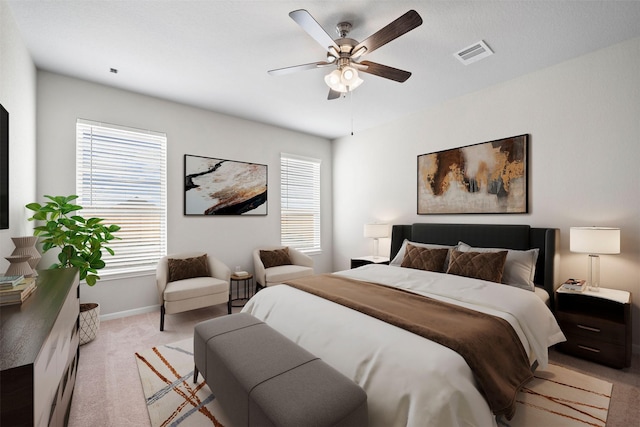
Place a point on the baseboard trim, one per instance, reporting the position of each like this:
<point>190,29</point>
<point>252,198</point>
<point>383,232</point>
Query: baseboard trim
<point>128,313</point>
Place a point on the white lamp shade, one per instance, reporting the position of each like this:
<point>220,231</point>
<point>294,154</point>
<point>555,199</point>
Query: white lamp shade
<point>376,231</point>
<point>594,240</point>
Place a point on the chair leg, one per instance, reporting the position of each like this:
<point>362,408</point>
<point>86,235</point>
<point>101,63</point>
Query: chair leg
<point>162,318</point>
<point>195,374</point>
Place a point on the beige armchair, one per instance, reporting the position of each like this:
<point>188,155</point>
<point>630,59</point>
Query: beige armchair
<point>301,265</point>
<point>191,280</point>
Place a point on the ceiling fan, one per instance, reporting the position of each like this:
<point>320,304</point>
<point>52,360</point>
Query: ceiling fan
<point>345,53</point>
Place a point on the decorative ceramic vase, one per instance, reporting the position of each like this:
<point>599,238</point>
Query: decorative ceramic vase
<point>19,266</point>
<point>26,245</point>
<point>89,321</point>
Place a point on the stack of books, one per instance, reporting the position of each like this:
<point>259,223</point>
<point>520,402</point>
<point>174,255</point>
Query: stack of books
<point>241,273</point>
<point>8,282</point>
<point>574,285</point>
<point>15,289</point>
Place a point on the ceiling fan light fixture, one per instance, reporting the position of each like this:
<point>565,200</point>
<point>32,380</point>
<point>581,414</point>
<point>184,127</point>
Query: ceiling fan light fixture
<point>349,78</point>
<point>344,80</point>
<point>354,84</point>
<point>334,81</point>
<point>349,75</point>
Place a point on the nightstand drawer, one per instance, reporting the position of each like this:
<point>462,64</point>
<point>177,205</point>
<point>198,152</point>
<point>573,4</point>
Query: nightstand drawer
<point>598,351</point>
<point>592,328</point>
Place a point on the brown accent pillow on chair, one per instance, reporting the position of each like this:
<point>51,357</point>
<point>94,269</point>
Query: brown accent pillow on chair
<point>424,258</point>
<point>188,268</point>
<point>479,265</point>
<point>275,257</point>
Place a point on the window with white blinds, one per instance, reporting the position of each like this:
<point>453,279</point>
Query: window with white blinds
<point>121,177</point>
<point>300,202</point>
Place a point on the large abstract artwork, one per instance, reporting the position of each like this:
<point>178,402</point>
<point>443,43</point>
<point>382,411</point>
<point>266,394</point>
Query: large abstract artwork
<point>224,187</point>
<point>489,178</point>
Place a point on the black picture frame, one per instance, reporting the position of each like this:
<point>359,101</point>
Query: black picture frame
<point>4,168</point>
<point>214,186</point>
<point>485,178</point>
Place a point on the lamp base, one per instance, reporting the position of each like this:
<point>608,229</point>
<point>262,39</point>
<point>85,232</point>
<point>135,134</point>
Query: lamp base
<point>593,277</point>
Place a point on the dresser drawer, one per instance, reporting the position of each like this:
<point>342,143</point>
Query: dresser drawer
<point>592,328</point>
<point>599,351</point>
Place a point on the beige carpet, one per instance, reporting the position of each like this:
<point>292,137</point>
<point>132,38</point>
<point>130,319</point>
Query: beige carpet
<point>556,397</point>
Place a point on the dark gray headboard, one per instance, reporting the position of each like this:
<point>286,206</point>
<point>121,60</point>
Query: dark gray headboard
<point>520,237</point>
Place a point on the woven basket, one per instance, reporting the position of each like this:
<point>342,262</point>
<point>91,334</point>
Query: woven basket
<point>89,321</point>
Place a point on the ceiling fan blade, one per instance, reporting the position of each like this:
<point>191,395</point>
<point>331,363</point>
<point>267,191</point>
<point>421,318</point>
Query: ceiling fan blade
<point>333,94</point>
<point>311,26</point>
<point>296,68</point>
<point>384,71</point>
<point>400,26</point>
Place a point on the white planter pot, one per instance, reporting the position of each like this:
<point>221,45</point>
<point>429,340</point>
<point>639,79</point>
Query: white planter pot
<point>89,321</point>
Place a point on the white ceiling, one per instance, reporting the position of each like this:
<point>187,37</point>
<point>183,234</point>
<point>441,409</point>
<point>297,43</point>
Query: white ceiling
<point>215,54</point>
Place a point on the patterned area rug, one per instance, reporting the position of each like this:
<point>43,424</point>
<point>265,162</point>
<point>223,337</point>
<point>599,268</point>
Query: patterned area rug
<point>556,397</point>
<point>559,397</point>
<point>166,373</point>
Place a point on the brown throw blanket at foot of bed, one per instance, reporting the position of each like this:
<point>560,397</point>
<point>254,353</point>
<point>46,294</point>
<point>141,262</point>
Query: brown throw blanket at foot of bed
<point>488,344</point>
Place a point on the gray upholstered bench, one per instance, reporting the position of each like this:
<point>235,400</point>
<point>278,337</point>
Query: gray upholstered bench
<point>261,378</point>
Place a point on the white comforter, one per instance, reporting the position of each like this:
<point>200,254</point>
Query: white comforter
<point>409,381</point>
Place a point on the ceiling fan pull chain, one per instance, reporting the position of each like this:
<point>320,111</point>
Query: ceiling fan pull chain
<point>351,102</point>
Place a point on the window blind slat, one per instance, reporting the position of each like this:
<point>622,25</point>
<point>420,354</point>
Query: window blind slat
<point>121,178</point>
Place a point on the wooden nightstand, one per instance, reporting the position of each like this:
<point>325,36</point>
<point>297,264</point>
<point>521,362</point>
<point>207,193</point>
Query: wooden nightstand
<point>597,325</point>
<point>364,260</point>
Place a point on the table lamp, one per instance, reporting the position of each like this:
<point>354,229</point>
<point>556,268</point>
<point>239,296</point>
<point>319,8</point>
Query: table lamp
<point>594,241</point>
<point>375,232</point>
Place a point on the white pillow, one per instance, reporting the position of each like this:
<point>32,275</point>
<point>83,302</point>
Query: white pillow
<point>519,268</point>
<point>397,260</point>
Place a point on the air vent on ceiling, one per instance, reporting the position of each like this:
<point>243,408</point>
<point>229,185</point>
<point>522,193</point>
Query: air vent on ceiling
<point>474,53</point>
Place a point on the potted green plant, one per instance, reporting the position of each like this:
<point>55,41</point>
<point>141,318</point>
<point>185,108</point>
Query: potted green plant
<point>81,243</point>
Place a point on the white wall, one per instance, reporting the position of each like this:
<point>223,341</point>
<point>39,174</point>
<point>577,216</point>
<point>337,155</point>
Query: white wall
<point>583,117</point>
<point>61,100</point>
<point>18,96</point>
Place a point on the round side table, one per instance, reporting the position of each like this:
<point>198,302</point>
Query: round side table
<point>246,282</point>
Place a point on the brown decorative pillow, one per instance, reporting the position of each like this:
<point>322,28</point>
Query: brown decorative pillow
<point>188,268</point>
<point>479,265</point>
<point>424,258</point>
<point>275,257</point>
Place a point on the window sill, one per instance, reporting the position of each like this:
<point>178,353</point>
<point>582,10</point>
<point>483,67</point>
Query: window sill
<point>107,277</point>
<point>313,252</point>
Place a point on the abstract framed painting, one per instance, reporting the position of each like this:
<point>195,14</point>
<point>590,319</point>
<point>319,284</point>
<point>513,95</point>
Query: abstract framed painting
<point>224,187</point>
<point>486,178</point>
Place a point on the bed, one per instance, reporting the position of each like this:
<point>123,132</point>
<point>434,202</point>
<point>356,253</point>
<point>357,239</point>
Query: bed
<point>410,380</point>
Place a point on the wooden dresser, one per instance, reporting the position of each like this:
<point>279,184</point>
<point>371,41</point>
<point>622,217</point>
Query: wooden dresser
<point>39,352</point>
<point>597,325</point>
